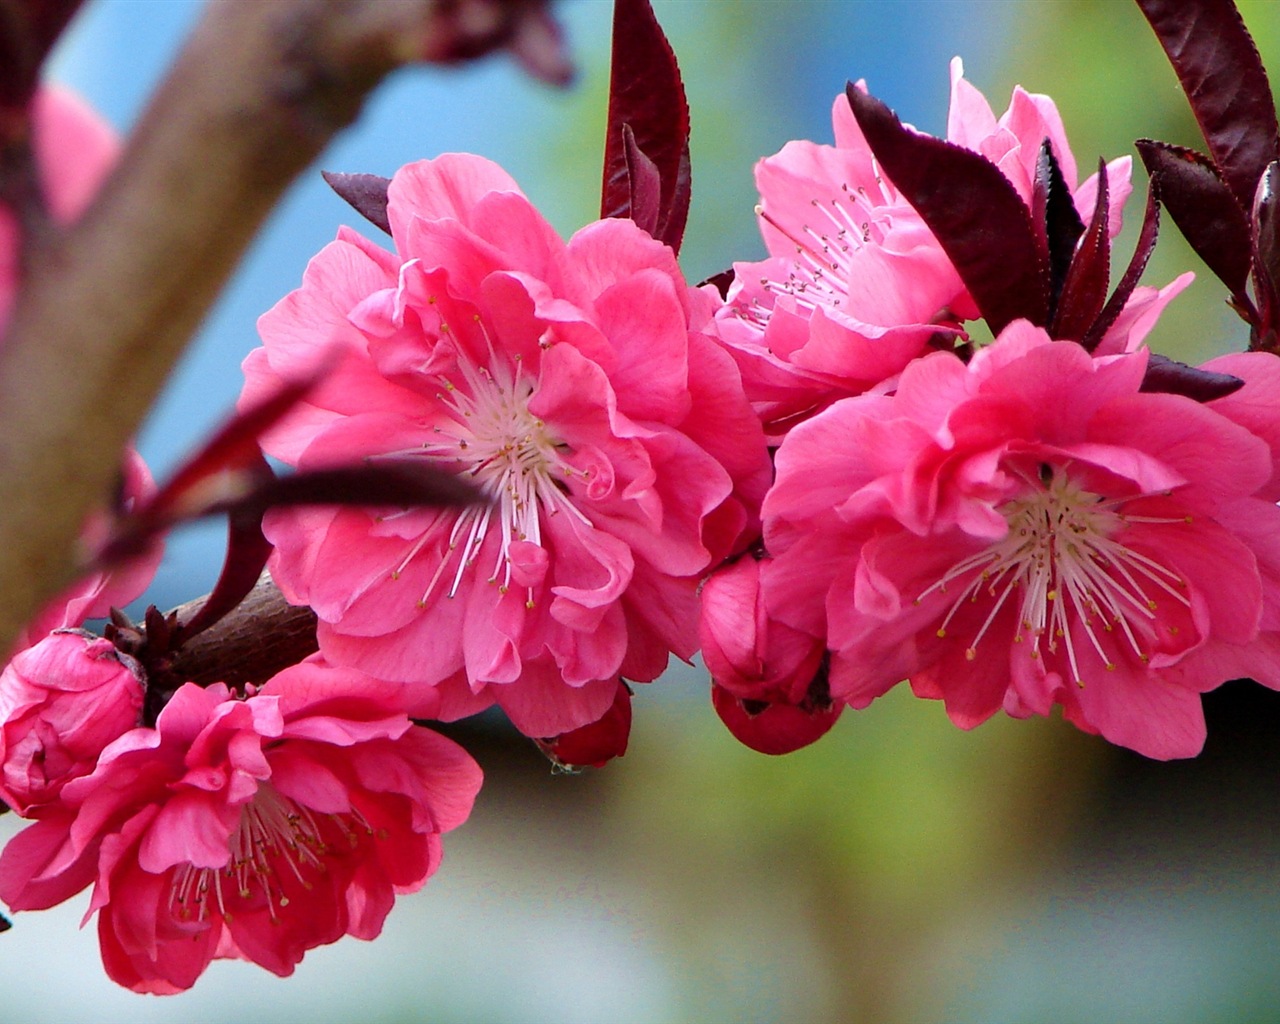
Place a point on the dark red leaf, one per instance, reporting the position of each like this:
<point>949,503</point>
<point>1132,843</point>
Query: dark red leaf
<point>644,183</point>
<point>247,553</point>
<point>1266,256</point>
<point>975,213</point>
<point>398,484</point>
<point>647,94</point>
<point>721,281</point>
<point>28,30</point>
<point>1200,203</point>
<point>1084,292</point>
<point>1220,70</point>
<point>1175,378</point>
<point>1053,211</point>
<point>1133,273</point>
<point>367,194</point>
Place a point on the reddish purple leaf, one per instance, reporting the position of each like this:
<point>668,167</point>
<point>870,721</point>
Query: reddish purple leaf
<point>975,213</point>
<point>28,30</point>
<point>721,281</point>
<point>1085,289</point>
<point>247,554</point>
<point>644,183</point>
<point>1200,203</point>
<point>367,194</point>
<point>1175,378</point>
<point>646,94</point>
<point>1053,211</point>
<point>401,484</point>
<point>1266,258</point>
<point>1220,70</point>
<point>1147,236</point>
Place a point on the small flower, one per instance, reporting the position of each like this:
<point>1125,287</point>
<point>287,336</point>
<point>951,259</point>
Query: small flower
<point>572,384</point>
<point>856,286</point>
<point>253,828</point>
<point>61,703</point>
<point>1025,531</point>
<point>95,594</point>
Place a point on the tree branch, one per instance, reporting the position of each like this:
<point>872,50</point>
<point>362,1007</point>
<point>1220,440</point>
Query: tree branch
<point>109,304</point>
<point>263,636</point>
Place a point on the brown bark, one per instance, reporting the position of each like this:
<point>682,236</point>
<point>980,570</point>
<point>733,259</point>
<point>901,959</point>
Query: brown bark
<point>262,636</point>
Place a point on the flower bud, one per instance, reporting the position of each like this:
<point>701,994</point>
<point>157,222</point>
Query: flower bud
<point>61,702</point>
<point>746,652</point>
<point>595,744</point>
<point>768,679</point>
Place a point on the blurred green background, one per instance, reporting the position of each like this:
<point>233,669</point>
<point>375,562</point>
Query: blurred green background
<point>900,870</point>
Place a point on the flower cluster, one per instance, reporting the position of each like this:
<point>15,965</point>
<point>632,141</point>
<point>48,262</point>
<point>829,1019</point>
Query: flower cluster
<point>1025,528</point>
<point>528,470</point>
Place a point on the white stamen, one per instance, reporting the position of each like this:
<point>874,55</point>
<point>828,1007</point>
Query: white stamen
<point>1073,576</point>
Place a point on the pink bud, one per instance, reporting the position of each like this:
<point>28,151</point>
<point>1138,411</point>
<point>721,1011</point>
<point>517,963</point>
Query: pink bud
<point>746,652</point>
<point>61,703</point>
<point>595,744</point>
<point>773,728</point>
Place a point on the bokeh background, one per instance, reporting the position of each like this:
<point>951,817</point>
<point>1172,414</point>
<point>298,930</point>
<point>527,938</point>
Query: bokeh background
<point>900,870</point>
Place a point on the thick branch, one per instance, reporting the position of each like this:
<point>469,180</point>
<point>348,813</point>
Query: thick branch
<point>257,92</point>
<point>260,638</point>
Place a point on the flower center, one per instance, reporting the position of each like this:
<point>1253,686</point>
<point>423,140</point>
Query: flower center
<point>818,274</point>
<point>278,845</point>
<point>1070,579</point>
<point>491,437</point>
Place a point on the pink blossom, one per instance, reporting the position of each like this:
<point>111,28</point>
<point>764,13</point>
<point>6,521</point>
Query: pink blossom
<point>94,595</point>
<point>61,702</point>
<point>74,149</point>
<point>1024,531</point>
<point>769,681</point>
<point>856,286</point>
<point>250,828</point>
<point>571,381</point>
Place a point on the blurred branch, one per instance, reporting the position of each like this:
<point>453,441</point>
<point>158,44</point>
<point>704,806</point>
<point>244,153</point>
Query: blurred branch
<point>109,304</point>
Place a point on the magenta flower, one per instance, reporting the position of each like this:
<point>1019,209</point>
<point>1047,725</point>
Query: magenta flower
<point>94,595</point>
<point>856,285</point>
<point>61,702</point>
<point>250,828</point>
<point>570,381</point>
<point>1024,531</point>
<point>74,149</point>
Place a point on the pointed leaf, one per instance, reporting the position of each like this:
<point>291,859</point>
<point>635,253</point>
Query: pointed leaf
<point>1054,210</point>
<point>247,554</point>
<point>646,93</point>
<point>1085,289</point>
<point>1147,236</point>
<point>1266,254</point>
<point>721,281</point>
<point>405,484</point>
<point>1175,378</point>
<point>1220,70</point>
<point>644,183</point>
<point>1200,203</point>
<point>367,194</point>
<point>975,213</point>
